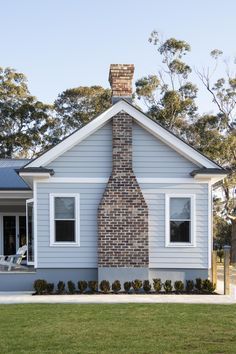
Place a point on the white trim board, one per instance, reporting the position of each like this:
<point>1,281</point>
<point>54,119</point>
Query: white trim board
<point>192,242</point>
<point>53,242</point>
<point>155,129</point>
<point>143,180</point>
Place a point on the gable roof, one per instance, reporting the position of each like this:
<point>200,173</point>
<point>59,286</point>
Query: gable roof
<point>142,119</point>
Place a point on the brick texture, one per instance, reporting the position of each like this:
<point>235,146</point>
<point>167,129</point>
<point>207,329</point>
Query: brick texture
<point>120,78</point>
<point>122,213</point>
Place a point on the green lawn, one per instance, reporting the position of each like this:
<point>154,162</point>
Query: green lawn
<point>129,329</point>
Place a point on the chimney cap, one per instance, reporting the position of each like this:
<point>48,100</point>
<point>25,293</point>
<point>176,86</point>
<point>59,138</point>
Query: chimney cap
<point>120,78</point>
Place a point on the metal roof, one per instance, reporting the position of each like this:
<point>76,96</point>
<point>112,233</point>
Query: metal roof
<point>9,178</point>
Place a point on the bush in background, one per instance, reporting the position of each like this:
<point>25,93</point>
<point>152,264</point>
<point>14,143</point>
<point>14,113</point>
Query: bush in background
<point>105,286</point>
<point>208,287</point>
<point>116,286</point>
<point>93,285</point>
<point>147,286</point>
<point>82,286</point>
<point>157,285</point>
<point>168,286</point>
<point>137,285</point>
<point>179,286</point>
<point>71,287</point>
<point>40,286</point>
<point>127,286</point>
<point>198,284</point>
<point>189,286</point>
<point>60,287</point>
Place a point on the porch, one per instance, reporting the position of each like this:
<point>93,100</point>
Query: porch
<point>16,228</point>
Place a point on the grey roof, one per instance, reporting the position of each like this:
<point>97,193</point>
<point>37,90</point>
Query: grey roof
<point>9,178</point>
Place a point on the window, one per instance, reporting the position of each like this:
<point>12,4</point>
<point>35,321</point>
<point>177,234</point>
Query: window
<point>64,219</point>
<point>180,220</point>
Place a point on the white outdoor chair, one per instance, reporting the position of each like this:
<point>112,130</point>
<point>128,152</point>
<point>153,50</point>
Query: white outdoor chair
<point>14,261</point>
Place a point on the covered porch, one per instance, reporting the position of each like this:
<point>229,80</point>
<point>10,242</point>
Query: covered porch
<point>16,229</point>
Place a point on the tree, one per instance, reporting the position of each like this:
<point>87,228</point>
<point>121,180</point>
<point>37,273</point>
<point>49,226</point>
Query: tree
<point>77,106</point>
<point>170,99</point>
<point>222,129</point>
<point>169,96</point>
<point>25,123</point>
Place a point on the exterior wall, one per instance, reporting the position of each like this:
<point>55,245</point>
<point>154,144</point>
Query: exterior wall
<point>90,158</point>
<point>178,274</point>
<point>23,281</point>
<point>83,256</point>
<point>153,158</point>
<point>176,257</point>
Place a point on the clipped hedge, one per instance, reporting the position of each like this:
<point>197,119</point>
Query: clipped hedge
<point>200,286</point>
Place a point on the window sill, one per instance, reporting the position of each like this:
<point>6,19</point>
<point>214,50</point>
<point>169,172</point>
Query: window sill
<point>65,244</point>
<point>180,244</point>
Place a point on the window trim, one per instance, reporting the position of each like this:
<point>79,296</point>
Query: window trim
<point>192,242</point>
<point>53,242</point>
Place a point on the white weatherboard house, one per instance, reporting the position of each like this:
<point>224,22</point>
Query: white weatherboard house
<point>120,198</point>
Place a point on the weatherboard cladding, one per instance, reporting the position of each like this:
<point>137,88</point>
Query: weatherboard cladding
<point>84,256</point>
<point>93,158</point>
<point>180,257</point>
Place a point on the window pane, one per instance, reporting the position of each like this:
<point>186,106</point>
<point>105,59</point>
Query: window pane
<point>180,231</point>
<point>64,207</point>
<point>180,208</point>
<point>65,230</point>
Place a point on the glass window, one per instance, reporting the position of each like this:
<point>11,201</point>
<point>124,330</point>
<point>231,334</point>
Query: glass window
<point>180,220</point>
<point>64,218</point>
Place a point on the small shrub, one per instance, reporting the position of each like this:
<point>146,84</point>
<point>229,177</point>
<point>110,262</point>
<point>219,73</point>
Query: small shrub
<point>40,286</point>
<point>127,286</point>
<point>179,286</point>
<point>198,284</point>
<point>157,285</point>
<point>147,286</point>
<point>50,288</point>
<point>208,287</point>
<point>105,286</point>
<point>189,286</point>
<point>71,287</point>
<point>60,287</point>
<point>168,286</point>
<point>93,285</point>
<point>116,286</point>
<point>220,254</point>
<point>82,286</point>
<point>137,285</point>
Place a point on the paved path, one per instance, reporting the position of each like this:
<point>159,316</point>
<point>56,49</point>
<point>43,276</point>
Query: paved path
<point>11,298</point>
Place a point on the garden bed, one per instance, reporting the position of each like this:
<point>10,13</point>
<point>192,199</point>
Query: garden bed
<point>136,287</point>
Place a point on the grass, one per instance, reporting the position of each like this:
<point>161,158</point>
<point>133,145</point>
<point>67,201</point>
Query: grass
<point>128,328</point>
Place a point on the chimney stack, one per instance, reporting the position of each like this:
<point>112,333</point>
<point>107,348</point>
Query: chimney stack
<point>120,78</point>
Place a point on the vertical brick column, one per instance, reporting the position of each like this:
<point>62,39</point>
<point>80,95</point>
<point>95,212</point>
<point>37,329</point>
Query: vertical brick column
<point>123,212</point>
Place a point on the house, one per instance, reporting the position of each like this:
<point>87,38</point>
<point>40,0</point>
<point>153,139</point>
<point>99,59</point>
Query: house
<point>120,198</point>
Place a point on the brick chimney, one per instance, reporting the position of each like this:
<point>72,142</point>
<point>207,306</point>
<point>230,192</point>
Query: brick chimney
<point>120,78</point>
<point>123,213</point>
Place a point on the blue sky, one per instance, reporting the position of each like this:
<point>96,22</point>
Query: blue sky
<point>61,44</point>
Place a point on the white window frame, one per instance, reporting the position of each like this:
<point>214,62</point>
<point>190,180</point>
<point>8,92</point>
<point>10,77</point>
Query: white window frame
<point>53,242</point>
<point>192,242</point>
